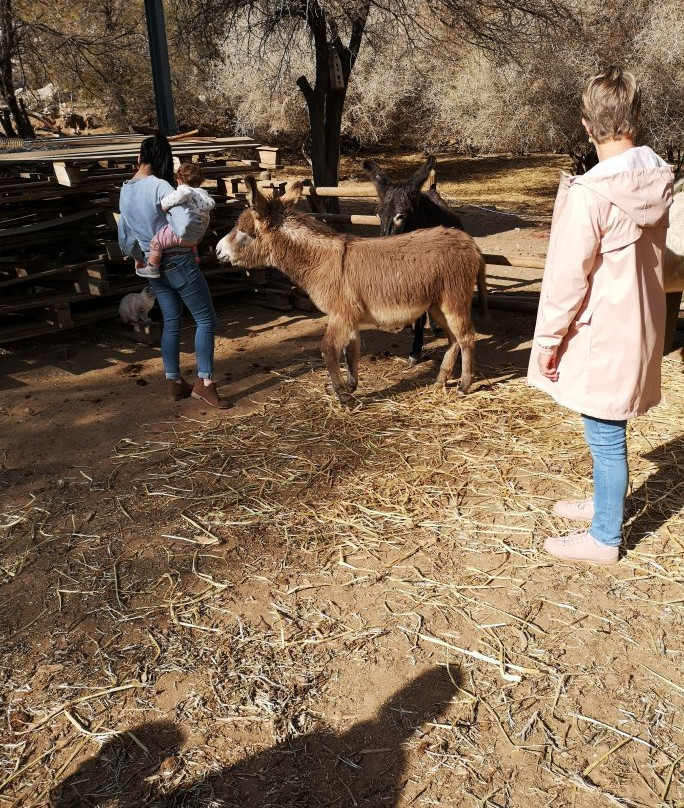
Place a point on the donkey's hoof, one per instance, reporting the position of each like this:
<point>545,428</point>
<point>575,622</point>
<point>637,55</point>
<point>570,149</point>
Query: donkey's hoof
<point>413,360</point>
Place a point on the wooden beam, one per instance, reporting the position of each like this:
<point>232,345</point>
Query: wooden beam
<point>514,261</point>
<point>120,151</point>
<point>348,218</point>
<point>68,175</point>
<point>46,224</point>
<point>352,191</point>
<point>269,155</point>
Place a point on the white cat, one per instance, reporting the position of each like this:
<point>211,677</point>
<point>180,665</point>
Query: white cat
<point>135,307</point>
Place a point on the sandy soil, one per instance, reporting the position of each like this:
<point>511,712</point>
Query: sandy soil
<point>287,604</point>
<point>67,396</point>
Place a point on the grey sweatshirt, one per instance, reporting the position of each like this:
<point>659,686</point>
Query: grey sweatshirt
<point>142,215</point>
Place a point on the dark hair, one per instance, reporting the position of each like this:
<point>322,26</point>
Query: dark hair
<point>156,152</point>
<point>190,174</point>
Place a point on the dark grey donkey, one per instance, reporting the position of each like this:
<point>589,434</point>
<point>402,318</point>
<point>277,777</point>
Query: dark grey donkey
<point>404,207</point>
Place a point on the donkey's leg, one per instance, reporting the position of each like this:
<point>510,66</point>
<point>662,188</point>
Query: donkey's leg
<point>351,359</point>
<point>336,337</point>
<point>446,369</point>
<point>418,331</point>
<point>461,327</point>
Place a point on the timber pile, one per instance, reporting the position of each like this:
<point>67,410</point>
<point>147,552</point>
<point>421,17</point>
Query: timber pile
<point>60,265</point>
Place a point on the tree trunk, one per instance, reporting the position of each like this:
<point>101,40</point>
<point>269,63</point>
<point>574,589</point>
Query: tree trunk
<point>325,105</point>
<point>6,123</point>
<point>7,51</point>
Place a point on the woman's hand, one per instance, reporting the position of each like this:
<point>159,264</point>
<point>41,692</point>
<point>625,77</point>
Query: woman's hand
<point>546,361</point>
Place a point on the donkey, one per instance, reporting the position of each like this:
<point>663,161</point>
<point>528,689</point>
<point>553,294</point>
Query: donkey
<point>405,207</point>
<point>673,269</point>
<point>386,282</point>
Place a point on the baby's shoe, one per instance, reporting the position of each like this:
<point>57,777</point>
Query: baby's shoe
<point>581,510</point>
<point>150,271</point>
<point>581,546</point>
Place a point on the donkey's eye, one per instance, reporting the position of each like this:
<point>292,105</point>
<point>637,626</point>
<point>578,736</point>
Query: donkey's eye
<point>399,218</point>
<point>242,238</point>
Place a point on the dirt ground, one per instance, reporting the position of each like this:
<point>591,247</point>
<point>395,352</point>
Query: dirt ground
<point>290,604</point>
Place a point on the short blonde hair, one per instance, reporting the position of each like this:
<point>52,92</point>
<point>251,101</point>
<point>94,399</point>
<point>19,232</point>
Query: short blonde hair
<point>611,104</point>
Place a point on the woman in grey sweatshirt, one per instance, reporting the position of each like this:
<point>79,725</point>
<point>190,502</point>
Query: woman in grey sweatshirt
<point>181,281</point>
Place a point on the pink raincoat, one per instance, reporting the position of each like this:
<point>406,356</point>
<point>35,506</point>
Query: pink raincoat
<point>602,298</point>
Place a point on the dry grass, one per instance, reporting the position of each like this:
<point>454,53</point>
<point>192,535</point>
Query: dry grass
<point>265,578</point>
<point>525,185</point>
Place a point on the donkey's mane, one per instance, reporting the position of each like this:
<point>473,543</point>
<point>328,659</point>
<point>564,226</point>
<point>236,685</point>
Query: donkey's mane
<point>308,221</point>
<point>424,239</point>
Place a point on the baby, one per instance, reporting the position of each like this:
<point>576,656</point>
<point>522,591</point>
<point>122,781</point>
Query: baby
<point>198,204</point>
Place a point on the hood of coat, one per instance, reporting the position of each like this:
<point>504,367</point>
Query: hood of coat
<point>637,182</point>
<point>644,196</point>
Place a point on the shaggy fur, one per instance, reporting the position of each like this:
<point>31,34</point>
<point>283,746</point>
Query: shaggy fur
<point>404,207</point>
<point>674,251</point>
<point>386,282</point>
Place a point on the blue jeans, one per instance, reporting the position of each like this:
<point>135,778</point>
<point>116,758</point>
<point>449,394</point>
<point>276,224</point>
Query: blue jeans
<point>608,444</point>
<point>182,282</point>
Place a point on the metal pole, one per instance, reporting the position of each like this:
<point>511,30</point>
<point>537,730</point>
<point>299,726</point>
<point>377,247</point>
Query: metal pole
<point>161,72</point>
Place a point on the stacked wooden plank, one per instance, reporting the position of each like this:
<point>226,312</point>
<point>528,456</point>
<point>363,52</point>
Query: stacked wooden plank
<point>59,263</point>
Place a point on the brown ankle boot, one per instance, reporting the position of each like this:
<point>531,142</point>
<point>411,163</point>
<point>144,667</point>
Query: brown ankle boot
<point>209,395</point>
<point>178,389</point>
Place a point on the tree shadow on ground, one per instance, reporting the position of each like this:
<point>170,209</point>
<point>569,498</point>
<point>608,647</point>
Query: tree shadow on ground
<point>363,767</point>
<point>659,497</point>
<point>108,343</point>
<point>487,221</point>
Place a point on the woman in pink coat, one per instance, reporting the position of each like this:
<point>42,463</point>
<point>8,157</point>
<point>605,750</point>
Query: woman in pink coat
<point>598,341</point>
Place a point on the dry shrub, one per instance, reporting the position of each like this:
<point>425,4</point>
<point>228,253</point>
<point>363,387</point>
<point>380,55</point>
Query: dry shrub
<point>401,92</point>
<point>533,104</point>
<point>260,90</point>
<point>260,86</point>
<point>661,66</point>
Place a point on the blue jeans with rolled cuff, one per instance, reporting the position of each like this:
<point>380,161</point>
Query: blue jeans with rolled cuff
<point>608,445</point>
<point>182,283</point>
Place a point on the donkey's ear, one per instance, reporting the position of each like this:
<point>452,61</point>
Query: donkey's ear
<point>376,175</point>
<point>420,175</point>
<point>293,193</point>
<point>255,199</point>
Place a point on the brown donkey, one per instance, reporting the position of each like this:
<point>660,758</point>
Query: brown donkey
<point>386,282</point>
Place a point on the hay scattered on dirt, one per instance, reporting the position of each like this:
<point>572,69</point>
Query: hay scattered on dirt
<point>294,550</point>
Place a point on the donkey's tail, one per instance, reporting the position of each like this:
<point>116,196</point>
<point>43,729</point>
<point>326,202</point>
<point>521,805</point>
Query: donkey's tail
<point>482,288</point>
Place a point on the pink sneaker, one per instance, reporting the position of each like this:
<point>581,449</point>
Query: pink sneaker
<point>579,510</point>
<point>581,546</point>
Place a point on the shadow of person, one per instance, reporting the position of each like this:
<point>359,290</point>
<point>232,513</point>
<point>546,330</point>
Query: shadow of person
<point>363,767</point>
<point>121,769</point>
<point>659,497</point>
